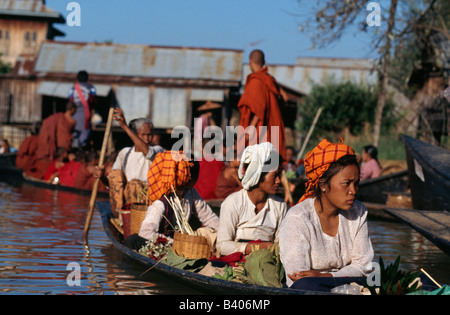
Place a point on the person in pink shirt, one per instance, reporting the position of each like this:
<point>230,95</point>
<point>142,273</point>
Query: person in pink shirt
<point>370,166</point>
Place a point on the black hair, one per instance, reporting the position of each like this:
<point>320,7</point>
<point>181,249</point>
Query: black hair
<point>335,168</point>
<point>82,76</point>
<point>195,170</point>
<point>373,152</point>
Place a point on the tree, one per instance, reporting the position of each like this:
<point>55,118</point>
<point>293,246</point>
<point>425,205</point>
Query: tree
<point>332,18</point>
<point>345,105</point>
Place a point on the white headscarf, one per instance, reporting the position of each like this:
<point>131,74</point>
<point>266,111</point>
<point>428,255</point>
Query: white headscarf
<point>255,156</point>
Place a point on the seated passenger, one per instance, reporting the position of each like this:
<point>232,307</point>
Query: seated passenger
<point>68,173</point>
<point>370,166</point>
<point>52,173</point>
<point>27,152</point>
<point>129,172</point>
<point>254,212</point>
<point>171,169</point>
<point>324,239</point>
<point>210,167</point>
<point>228,180</point>
<point>56,132</point>
<point>85,178</point>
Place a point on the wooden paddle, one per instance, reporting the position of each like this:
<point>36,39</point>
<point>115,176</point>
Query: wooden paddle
<point>97,181</point>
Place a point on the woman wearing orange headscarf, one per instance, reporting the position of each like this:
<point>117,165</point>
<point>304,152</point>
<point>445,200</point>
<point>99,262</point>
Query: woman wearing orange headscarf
<point>324,239</point>
<point>170,171</point>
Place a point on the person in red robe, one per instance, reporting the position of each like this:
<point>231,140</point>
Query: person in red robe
<point>85,176</point>
<point>259,106</point>
<point>56,132</point>
<point>27,152</point>
<point>68,173</point>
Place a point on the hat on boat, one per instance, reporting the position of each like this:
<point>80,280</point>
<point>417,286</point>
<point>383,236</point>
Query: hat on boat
<point>208,106</point>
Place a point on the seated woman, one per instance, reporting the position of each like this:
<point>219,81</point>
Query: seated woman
<point>253,213</point>
<point>370,166</point>
<point>324,239</point>
<point>129,172</point>
<point>172,169</point>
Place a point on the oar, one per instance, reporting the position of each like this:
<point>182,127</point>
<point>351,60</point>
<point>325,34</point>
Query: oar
<point>97,181</point>
<point>300,154</point>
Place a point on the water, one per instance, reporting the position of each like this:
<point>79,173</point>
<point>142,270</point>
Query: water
<point>41,232</point>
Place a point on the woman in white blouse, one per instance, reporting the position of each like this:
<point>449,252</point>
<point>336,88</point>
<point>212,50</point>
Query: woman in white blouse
<point>324,239</point>
<point>253,213</point>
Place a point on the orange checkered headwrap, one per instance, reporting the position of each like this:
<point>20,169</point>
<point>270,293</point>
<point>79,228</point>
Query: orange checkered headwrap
<point>319,160</point>
<point>168,169</point>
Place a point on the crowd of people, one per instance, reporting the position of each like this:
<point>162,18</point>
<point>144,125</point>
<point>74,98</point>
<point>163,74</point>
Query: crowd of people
<point>323,237</point>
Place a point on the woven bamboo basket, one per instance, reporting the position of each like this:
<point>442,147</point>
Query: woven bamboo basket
<point>191,246</point>
<point>138,212</point>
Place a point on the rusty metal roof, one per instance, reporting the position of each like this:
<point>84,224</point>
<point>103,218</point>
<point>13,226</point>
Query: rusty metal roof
<point>30,8</point>
<point>307,71</point>
<point>140,61</point>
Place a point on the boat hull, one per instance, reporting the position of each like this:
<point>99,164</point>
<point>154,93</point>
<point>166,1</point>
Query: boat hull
<point>209,285</point>
<point>429,175</point>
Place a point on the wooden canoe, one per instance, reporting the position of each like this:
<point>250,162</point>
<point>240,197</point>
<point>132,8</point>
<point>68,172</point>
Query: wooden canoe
<point>377,190</point>
<point>11,174</point>
<point>434,225</point>
<point>209,285</point>
<point>429,174</point>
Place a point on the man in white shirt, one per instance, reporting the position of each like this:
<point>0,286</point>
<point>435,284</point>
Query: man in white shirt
<point>129,173</point>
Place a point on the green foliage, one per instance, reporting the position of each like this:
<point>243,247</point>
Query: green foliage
<point>5,67</point>
<point>395,281</point>
<point>264,267</point>
<point>345,104</point>
<point>229,274</point>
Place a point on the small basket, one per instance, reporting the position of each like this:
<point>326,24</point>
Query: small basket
<point>138,212</point>
<point>191,246</point>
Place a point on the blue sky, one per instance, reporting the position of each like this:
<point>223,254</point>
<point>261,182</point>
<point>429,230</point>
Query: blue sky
<point>270,25</point>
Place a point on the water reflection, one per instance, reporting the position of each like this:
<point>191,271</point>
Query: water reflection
<point>41,232</point>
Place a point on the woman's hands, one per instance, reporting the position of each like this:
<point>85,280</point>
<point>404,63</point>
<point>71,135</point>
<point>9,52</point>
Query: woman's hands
<point>119,117</point>
<point>309,273</point>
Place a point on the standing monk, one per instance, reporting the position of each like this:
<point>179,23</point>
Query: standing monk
<point>259,106</point>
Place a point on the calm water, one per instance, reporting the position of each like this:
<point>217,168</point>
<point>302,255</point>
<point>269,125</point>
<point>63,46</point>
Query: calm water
<point>41,232</point>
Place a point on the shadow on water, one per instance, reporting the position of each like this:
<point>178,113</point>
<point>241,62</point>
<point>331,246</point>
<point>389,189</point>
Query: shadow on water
<point>41,232</point>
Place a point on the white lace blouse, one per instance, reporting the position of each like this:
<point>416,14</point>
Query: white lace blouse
<point>304,246</point>
<point>239,223</point>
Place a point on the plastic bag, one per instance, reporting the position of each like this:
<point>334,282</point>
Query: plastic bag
<point>347,289</point>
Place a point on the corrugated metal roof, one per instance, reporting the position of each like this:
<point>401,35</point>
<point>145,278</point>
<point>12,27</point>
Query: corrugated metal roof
<point>140,61</point>
<point>300,77</point>
<point>349,63</point>
<point>34,8</point>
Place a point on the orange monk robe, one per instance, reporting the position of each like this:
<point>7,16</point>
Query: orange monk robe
<point>260,98</point>
<point>56,132</point>
<point>27,153</point>
<point>86,180</point>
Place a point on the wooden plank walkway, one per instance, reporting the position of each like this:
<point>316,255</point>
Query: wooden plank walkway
<point>434,225</point>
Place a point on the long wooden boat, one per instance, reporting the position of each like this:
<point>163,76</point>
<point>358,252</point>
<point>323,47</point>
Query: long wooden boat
<point>377,190</point>
<point>429,174</point>
<point>11,174</point>
<point>434,225</point>
<point>209,285</point>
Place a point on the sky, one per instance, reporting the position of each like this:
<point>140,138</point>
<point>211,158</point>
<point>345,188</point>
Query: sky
<point>269,25</point>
